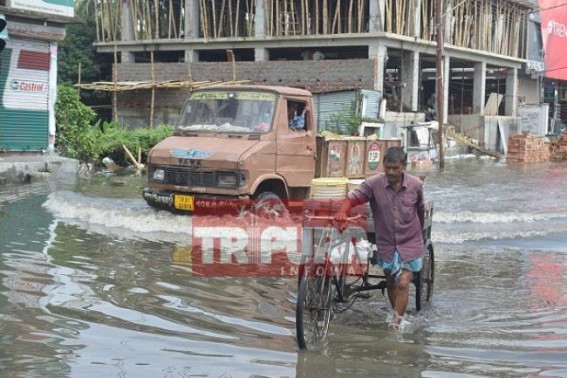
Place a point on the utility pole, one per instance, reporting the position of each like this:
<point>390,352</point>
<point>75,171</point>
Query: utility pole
<point>440,77</point>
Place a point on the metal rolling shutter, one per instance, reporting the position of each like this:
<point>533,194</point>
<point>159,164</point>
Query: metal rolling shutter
<point>24,84</point>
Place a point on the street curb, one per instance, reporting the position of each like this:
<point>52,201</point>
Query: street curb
<point>23,168</point>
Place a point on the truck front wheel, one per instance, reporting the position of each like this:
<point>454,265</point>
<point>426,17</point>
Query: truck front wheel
<point>268,205</point>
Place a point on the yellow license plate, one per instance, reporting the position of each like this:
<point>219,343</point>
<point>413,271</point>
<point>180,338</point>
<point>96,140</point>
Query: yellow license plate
<point>181,202</point>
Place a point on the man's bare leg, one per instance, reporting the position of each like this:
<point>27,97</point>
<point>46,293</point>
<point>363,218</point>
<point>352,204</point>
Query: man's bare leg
<point>398,293</point>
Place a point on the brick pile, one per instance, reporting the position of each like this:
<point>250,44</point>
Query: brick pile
<point>559,148</point>
<point>527,148</point>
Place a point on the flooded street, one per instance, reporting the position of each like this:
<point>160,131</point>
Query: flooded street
<point>94,283</point>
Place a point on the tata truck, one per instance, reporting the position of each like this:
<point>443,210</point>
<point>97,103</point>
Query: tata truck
<point>233,146</point>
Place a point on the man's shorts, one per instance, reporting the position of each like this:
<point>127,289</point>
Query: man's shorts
<point>396,265</point>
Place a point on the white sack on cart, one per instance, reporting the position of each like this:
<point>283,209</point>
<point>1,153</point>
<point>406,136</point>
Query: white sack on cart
<point>363,247</point>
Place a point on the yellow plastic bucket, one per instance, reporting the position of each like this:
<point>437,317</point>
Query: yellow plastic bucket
<point>329,187</point>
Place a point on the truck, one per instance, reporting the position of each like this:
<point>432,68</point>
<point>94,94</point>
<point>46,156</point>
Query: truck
<point>232,148</point>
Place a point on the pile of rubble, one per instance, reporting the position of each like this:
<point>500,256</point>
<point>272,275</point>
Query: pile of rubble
<point>528,148</point>
<point>558,148</point>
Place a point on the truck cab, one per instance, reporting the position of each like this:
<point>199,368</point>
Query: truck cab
<point>232,144</point>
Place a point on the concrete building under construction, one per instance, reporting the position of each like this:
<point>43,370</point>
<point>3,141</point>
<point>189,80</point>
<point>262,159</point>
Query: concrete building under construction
<point>164,47</point>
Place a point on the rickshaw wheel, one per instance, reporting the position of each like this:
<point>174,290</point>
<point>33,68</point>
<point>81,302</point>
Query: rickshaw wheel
<point>313,309</point>
<point>424,280</point>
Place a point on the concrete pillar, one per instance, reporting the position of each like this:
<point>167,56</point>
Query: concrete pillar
<point>191,24</point>
<point>415,21</point>
<point>379,54</point>
<point>376,13</point>
<point>511,98</point>
<point>191,27</point>
<point>52,95</point>
<point>410,76</point>
<point>191,56</point>
<point>479,88</point>
<point>127,28</point>
<point>261,54</point>
<point>127,57</point>
<point>446,77</point>
<point>260,20</point>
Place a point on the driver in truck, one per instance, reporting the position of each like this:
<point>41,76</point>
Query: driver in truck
<point>296,121</point>
<point>396,200</point>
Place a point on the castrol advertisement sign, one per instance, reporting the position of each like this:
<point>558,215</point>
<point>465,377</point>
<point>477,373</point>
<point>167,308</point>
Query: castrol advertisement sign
<point>27,80</point>
<point>553,15</point>
<point>29,86</point>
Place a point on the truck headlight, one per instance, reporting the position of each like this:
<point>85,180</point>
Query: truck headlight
<point>158,175</point>
<point>227,179</point>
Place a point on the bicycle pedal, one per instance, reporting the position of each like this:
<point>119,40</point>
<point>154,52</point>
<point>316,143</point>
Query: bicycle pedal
<point>363,295</point>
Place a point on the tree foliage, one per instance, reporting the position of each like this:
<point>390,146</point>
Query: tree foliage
<point>77,50</point>
<point>75,137</point>
<point>79,138</point>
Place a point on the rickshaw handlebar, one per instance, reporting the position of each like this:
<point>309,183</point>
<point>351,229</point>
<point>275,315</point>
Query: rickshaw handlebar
<point>358,220</point>
<point>332,218</point>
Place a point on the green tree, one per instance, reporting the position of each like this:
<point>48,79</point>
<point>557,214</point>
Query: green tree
<point>77,49</point>
<point>79,137</point>
<point>76,137</point>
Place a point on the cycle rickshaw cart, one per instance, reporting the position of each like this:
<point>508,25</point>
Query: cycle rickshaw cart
<point>335,266</point>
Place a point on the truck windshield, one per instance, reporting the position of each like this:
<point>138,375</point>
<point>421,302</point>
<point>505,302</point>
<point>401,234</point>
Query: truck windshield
<point>228,112</point>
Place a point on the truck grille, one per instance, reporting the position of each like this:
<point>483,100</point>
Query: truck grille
<point>189,177</point>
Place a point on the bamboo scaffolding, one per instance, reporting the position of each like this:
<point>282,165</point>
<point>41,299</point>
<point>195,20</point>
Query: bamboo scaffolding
<point>203,17</point>
<point>169,19</point>
<point>325,16</point>
<point>114,79</point>
<point>388,23</point>
<point>156,14</point>
<point>304,17</point>
<point>360,16</point>
<point>268,11</point>
<point>181,24</point>
<point>98,34</point>
<point>349,18</point>
<point>317,30</point>
<point>490,25</point>
<point>236,22</point>
<point>121,86</point>
<point>153,98</point>
<point>133,9</point>
<point>251,17</point>
<point>293,18</point>
<point>214,13</point>
<point>221,19</point>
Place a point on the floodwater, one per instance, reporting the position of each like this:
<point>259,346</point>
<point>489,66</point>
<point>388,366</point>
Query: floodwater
<point>93,283</point>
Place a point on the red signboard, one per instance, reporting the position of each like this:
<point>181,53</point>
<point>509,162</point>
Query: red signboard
<point>554,32</point>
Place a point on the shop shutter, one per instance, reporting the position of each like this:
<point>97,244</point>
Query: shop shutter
<point>24,87</point>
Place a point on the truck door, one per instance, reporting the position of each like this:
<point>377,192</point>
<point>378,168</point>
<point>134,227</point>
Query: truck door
<point>295,151</point>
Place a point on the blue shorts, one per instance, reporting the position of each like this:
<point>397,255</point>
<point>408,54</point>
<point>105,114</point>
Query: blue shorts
<point>396,265</point>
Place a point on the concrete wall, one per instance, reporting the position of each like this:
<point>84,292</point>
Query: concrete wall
<point>470,125</point>
<point>497,130</point>
<point>534,118</point>
<point>485,129</point>
<point>317,76</point>
<point>393,122</point>
<point>529,90</point>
